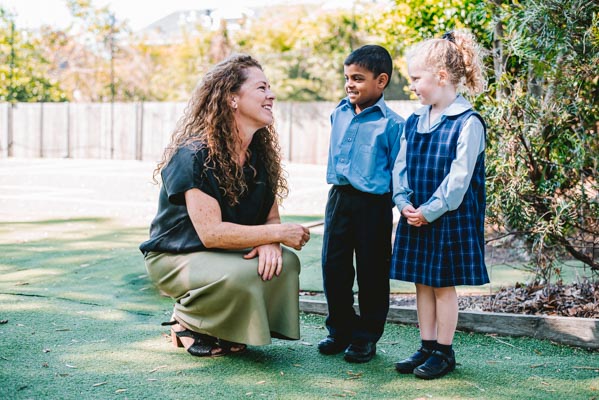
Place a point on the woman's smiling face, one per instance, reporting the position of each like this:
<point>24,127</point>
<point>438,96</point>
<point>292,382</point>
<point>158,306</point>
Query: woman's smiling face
<point>254,101</point>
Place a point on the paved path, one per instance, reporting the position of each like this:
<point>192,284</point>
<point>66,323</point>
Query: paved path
<point>37,189</point>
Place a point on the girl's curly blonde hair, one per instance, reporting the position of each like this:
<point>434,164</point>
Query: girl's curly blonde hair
<point>458,54</point>
<point>208,122</point>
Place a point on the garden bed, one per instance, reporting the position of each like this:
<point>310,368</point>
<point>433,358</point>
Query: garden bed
<point>580,299</point>
<point>550,312</point>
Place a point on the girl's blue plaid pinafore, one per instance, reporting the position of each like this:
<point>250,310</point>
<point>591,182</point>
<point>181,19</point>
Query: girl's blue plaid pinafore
<point>450,251</point>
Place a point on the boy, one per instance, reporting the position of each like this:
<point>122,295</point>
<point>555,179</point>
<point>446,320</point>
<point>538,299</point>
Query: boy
<point>358,218</point>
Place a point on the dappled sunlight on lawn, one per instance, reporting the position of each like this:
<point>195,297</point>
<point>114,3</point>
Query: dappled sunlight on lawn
<point>103,314</point>
<point>9,305</point>
<point>23,277</point>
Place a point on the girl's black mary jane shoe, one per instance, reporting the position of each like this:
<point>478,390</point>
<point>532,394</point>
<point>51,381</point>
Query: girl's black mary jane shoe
<point>437,365</point>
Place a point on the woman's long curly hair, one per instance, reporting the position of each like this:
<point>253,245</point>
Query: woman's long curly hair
<point>208,122</point>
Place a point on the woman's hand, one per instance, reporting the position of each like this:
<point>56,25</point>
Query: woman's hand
<point>295,235</point>
<point>270,260</point>
<point>414,216</point>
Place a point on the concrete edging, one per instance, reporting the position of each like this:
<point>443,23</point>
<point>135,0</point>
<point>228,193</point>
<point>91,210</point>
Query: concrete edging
<point>579,332</point>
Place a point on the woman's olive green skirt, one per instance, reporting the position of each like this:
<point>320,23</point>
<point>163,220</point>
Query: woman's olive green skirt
<point>220,293</point>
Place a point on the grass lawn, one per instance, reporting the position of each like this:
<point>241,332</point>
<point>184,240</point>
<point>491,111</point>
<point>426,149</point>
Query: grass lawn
<point>79,319</point>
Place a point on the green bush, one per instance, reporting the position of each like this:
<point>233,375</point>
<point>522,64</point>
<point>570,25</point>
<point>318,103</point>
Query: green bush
<point>542,139</point>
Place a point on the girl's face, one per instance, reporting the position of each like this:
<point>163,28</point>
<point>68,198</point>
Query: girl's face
<point>423,82</point>
<point>253,102</point>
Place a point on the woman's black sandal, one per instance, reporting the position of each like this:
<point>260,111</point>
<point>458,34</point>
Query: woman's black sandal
<point>203,346</point>
<point>231,347</point>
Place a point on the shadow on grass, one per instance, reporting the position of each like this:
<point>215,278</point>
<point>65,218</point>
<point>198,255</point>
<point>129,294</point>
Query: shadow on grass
<point>87,259</point>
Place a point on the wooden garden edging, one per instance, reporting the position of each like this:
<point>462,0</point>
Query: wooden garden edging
<point>579,332</point>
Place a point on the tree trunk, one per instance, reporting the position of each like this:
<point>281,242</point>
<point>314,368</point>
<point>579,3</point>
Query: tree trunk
<point>498,55</point>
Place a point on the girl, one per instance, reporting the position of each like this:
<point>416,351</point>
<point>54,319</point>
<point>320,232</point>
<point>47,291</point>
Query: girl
<point>439,188</point>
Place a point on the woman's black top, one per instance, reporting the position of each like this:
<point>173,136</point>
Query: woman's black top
<point>171,230</point>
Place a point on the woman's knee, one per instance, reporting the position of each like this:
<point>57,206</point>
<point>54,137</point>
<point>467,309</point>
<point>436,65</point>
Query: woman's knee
<point>291,262</point>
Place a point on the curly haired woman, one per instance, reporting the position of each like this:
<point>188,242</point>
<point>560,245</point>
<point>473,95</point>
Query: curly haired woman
<point>215,244</point>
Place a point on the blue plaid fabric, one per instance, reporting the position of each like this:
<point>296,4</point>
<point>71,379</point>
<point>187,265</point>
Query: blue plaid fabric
<point>450,251</point>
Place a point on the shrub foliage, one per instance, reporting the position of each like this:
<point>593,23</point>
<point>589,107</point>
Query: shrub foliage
<point>543,123</point>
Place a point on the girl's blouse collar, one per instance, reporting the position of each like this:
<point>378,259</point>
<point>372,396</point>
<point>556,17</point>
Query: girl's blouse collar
<point>459,105</point>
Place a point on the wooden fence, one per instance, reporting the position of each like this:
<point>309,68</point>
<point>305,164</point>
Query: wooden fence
<point>139,131</point>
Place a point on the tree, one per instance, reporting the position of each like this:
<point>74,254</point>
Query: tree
<point>543,139</point>
<point>410,21</point>
<point>23,69</point>
<point>303,51</point>
<point>93,51</point>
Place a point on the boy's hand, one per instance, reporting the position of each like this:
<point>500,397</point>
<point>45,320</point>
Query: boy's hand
<point>414,216</point>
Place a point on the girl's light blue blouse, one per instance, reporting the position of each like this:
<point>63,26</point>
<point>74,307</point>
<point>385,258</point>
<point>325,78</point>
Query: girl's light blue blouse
<point>450,193</point>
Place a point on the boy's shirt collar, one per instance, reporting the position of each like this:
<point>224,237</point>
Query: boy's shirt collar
<point>380,104</point>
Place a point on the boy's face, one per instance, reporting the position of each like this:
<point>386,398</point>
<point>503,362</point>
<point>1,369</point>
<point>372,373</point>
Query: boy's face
<point>362,87</point>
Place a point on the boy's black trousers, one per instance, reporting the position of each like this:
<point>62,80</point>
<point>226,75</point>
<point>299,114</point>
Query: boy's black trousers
<point>357,223</point>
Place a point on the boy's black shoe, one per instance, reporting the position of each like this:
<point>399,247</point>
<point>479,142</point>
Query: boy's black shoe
<point>360,351</point>
<point>437,365</point>
<point>408,365</point>
<point>332,345</point>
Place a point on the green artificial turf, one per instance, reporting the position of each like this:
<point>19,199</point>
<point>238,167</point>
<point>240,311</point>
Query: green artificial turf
<point>79,319</point>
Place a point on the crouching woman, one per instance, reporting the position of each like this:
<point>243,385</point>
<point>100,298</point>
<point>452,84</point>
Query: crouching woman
<point>216,242</point>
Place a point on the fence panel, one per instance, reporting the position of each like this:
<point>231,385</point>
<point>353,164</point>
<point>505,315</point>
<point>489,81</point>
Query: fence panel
<point>89,130</point>
<point>124,141</point>
<point>158,123</point>
<point>4,110</point>
<point>310,131</point>
<point>27,136</point>
<point>55,118</point>
<point>140,131</point>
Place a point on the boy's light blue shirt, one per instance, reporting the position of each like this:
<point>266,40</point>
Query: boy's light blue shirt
<point>363,146</point>
<point>450,193</point>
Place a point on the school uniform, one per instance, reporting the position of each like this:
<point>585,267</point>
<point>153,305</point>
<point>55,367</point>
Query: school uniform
<point>358,219</point>
<point>441,169</point>
<point>218,292</point>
